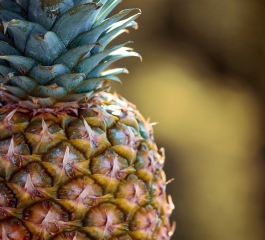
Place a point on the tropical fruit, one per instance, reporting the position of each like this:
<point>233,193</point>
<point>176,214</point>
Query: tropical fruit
<point>76,162</point>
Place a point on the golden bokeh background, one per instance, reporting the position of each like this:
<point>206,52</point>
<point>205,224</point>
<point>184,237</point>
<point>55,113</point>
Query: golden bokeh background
<point>202,80</point>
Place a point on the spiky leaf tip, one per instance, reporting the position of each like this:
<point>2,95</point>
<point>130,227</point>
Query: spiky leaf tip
<point>54,51</point>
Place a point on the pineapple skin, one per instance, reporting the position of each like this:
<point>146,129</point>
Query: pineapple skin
<point>76,162</point>
<point>88,173</point>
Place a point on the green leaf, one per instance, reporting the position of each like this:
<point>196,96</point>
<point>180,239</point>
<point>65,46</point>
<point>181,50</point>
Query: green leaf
<point>88,85</point>
<point>83,97</point>
<point>21,30</point>
<point>20,63</point>
<point>114,71</point>
<point>93,35</point>
<point>112,32</point>
<point>121,53</point>
<point>46,12</point>
<point>44,74</point>
<point>3,62</point>
<point>74,56</point>
<point>111,78</point>
<point>4,70</point>
<point>91,62</point>
<point>13,7</point>
<point>92,84</point>
<point>6,39</point>
<point>23,4</point>
<point>6,49</point>
<point>17,91</point>
<point>105,10</point>
<point>53,91</point>
<point>123,23</point>
<point>7,16</point>
<point>44,48</point>
<point>97,49</point>
<point>101,1</point>
<point>11,96</point>
<point>109,60</point>
<point>68,81</point>
<point>76,2</point>
<point>46,102</point>
<point>75,21</point>
<point>26,83</point>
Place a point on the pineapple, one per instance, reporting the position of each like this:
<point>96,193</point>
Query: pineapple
<point>76,162</point>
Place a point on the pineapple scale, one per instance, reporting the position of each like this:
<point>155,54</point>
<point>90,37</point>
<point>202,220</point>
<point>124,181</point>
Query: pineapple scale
<point>92,174</point>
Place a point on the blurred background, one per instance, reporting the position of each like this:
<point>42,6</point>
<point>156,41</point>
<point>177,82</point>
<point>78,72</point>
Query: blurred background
<point>202,80</point>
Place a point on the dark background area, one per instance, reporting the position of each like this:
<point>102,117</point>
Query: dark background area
<point>202,80</point>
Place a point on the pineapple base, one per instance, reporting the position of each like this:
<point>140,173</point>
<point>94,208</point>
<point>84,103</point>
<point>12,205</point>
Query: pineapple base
<point>82,174</point>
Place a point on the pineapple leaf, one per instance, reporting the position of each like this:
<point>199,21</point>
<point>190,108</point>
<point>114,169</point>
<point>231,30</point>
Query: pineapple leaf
<point>21,30</point>
<point>3,62</point>
<point>97,49</point>
<point>75,97</point>
<point>105,10</point>
<point>109,60</point>
<point>53,91</point>
<point>68,81</point>
<point>75,21</point>
<point>46,102</point>
<point>44,48</point>
<point>23,4</point>
<point>11,96</point>
<point>91,62</point>
<point>93,35</point>
<point>4,70</point>
<point>120,53</point>
<point>93,83</point>
<point>113,31</point>
<point>44,74</point>
<point>6,49</point>
<point>13,7</point>
<point>6,39</point>
<point>114,71</point>
<point>88,85</point>
<point>123,23</point>
<point>55,51</point>
<point>7,16</point>
<point>76,2</point>
<point>20,63</point>
<point>26,83</point>
<point>111,78</point>
<point>17,91</point>
<point>101,1</point>
<point>74,56</point>
<point>46,12</point>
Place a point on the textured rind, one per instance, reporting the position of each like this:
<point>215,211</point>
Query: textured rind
<point>92,174</point>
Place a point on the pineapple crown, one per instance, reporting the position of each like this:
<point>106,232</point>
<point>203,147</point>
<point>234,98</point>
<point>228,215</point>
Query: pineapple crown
<point>53,52</point>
